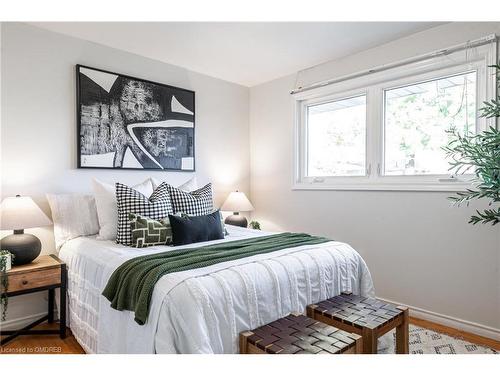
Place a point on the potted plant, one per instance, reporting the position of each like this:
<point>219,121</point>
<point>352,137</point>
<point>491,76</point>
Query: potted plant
<point>5,265</point>
<point>480,153</point>
<point>254,225</point>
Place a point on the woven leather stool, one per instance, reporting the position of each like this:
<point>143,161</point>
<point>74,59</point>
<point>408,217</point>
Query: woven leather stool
<point>368,317</point>
<point>298,334</point>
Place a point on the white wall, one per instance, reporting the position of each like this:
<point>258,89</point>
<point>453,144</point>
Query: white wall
<point>38,132</point>
<point>419,248</point>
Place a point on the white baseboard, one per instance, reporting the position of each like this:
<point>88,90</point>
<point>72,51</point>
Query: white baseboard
<point>450,321</point>
<point>21,322</point>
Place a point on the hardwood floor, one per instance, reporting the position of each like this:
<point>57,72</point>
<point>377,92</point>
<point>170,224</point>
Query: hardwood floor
<point>43,344</point>
<point>471,337</point>
<point>52,344</point>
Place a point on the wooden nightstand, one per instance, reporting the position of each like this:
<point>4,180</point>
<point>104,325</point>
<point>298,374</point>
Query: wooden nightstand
<point>44,273</point>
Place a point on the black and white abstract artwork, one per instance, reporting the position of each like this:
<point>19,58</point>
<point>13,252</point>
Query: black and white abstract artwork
<point>130,123</point>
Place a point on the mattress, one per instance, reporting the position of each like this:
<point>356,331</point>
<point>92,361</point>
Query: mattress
<point>203,310</point>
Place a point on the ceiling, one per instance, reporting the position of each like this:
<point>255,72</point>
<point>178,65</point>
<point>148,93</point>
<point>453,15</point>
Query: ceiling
<point>244,53</point>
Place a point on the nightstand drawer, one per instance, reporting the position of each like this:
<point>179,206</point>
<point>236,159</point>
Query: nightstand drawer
<point>31,280</point>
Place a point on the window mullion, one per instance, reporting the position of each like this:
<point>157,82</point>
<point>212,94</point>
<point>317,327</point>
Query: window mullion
<point>373,130</point>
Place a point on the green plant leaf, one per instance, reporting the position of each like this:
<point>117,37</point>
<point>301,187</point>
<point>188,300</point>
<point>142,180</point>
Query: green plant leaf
<point>480,153</point>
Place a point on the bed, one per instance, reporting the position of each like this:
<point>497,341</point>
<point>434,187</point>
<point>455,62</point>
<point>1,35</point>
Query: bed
<point>203,310</point>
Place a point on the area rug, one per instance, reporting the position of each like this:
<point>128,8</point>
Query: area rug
<point>425,341</point>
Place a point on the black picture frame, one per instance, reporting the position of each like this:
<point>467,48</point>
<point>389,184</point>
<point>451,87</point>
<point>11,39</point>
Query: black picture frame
<point>169,90</point>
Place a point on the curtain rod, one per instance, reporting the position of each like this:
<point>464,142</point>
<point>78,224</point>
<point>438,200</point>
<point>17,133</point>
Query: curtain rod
<point>442,52</point>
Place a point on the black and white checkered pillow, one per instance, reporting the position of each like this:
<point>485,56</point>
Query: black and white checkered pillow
<point>157,206</point>
<point>195,203</point>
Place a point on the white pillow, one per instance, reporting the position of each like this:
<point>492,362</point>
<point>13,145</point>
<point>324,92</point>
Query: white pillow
<point>189,185</point>
<point>74,215</point>
<point>107,209</point>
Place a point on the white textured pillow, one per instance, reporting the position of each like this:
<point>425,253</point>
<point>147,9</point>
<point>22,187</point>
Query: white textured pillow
<point>107,209</point>
<point>189,185</point>
<point>74,215</point>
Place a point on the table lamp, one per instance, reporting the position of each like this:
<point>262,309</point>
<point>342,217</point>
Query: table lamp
<point>19,213</point>
<point>237,202</point>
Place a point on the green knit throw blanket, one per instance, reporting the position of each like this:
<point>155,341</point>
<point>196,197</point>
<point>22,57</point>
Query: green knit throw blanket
<point>131,284</point>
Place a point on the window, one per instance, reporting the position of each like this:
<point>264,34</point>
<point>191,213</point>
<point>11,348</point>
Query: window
<point>386,130</point>
<point>336,138</point>
<point>416,118</point>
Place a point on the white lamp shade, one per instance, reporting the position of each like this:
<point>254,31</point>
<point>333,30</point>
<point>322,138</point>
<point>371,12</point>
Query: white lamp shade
<point>237,201</point>
<point>21,213</point>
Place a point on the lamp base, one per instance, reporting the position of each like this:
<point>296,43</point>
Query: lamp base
<point>236,219</point>
<point>24,246</point>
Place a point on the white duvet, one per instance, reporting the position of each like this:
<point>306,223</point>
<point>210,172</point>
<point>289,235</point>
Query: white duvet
<point>203,310</point>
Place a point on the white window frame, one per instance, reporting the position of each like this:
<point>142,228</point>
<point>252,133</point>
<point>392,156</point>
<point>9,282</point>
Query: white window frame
<point>319,101</point>
<point>373,86</point>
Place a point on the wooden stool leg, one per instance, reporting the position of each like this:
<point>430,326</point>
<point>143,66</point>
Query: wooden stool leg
<point>402,335</point>
<point>369,341</point>
<point>244,342</point>
<point>359,344</point>
<point>310,311</point>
